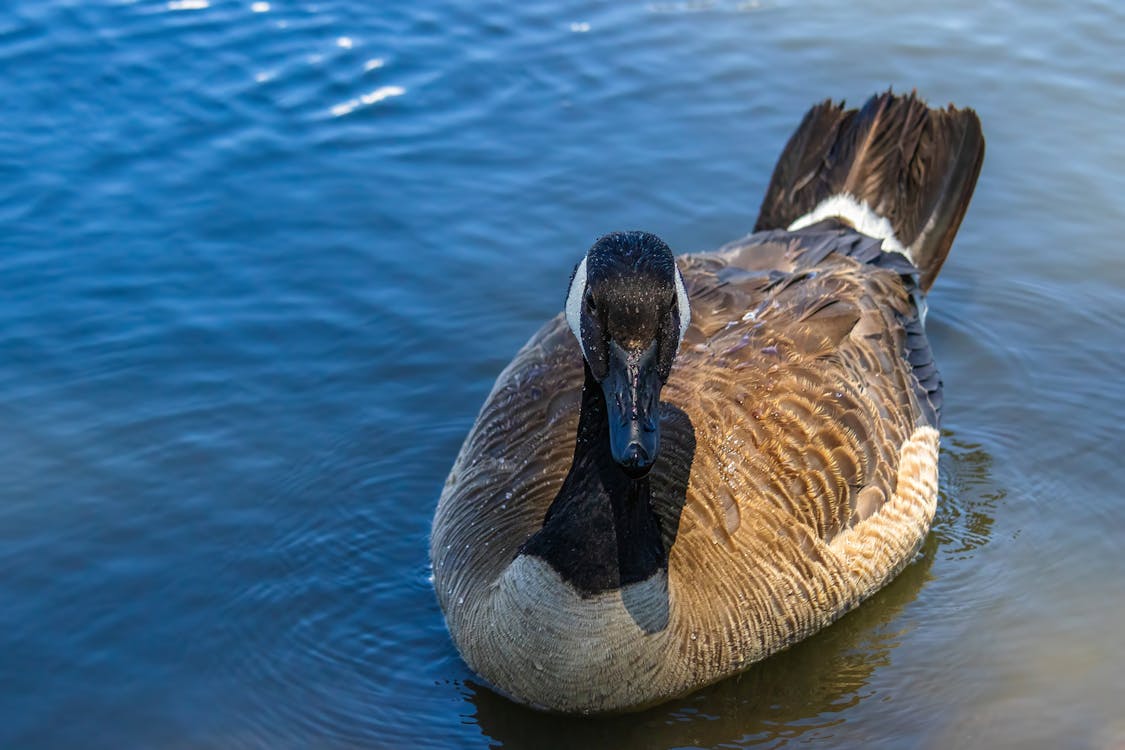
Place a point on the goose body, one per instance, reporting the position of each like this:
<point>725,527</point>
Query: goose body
<point>591,556</point>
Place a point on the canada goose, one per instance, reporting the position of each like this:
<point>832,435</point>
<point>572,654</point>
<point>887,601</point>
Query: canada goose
<point>757,441</point>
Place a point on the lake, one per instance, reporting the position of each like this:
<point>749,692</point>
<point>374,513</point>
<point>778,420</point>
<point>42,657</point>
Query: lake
<point>263,260</point>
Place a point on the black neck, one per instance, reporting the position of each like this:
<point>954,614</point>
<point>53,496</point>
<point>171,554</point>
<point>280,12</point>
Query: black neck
<point>600,532</point>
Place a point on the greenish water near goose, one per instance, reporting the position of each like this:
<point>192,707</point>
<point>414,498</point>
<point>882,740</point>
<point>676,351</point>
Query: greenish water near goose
<point>262,261</point>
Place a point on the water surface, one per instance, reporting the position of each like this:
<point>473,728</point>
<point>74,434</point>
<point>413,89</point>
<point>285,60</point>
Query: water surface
<point>262,262</point>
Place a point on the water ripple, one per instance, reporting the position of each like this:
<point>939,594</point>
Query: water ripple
<point>241,339</point>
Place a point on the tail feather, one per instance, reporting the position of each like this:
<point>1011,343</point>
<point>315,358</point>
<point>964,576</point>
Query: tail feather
<point>912,167</point>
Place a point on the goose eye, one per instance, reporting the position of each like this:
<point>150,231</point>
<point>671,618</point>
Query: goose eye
<point>590,306</point>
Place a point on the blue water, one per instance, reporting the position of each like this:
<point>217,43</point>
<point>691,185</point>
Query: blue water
<point>262,261</point>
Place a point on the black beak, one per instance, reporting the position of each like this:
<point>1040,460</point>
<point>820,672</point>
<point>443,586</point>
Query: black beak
<point>632,396</point>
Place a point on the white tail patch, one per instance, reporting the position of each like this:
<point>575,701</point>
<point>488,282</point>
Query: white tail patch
<point>860,215</point>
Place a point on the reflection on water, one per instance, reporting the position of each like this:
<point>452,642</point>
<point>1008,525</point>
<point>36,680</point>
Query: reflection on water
<point>806,690</point>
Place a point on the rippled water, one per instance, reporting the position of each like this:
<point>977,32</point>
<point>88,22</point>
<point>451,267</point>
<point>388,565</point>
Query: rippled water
<point>263,260</point>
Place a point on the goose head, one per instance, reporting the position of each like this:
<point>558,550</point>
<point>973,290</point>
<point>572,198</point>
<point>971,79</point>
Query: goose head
<point>628,308</point>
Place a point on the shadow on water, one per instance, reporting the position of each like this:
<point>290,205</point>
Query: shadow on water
<point>805,689</point>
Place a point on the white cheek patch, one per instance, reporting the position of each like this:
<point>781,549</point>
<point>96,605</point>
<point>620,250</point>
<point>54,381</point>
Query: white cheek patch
<point>574,303</point>
<point>682,305</point>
